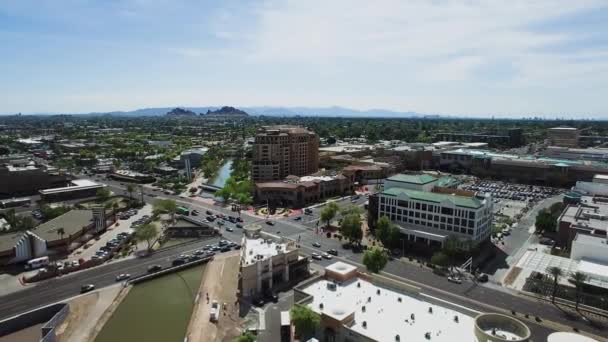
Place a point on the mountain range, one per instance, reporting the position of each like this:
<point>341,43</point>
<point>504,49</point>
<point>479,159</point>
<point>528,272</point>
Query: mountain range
<point>279,111</point>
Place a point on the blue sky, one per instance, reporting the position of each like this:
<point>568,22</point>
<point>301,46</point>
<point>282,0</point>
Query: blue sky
<point>507,58</point>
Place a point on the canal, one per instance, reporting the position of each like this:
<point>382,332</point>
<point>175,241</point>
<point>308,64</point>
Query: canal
<point>223,174</point>
<point>158,310</point>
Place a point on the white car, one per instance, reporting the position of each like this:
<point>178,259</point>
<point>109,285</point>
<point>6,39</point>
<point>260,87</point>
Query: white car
<point>326,256</point>
<point>214,313</point>
<point>123,276</point>
<point>316,256</point>
<point>455,280</point>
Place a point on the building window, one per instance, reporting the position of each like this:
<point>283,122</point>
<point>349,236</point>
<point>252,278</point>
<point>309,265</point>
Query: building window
<point>423,206</point>
<point>447,211</point>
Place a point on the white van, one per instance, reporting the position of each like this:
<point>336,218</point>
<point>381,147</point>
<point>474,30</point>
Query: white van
<point>37,263</point>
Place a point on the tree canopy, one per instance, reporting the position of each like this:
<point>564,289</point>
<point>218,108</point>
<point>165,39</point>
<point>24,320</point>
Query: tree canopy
<point>103,194</point>
<point>375,259</point>
<point>329,212</point>
<point>147,233</point>
<point>305,320</point>
<point>350,228</point>
<point>387,232</point>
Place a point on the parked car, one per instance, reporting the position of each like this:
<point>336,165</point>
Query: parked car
<point>154,268</point>
<point>225,249</point>
<point>326,256</point>
<point>332,252</point>
<point>214,313</point>
<point>87,288</point>
<point>208,212</point>
<point>270,223</point>
<point>123,276</point>
<point>238,225</point>
<point>199,252</point>
<point>316,256</point>
<point>316,244</point>
<point>229,229</point>
<point>178,261</point>
<point>298,218</point>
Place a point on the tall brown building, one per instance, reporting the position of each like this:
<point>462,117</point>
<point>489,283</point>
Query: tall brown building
<point>280,151</point>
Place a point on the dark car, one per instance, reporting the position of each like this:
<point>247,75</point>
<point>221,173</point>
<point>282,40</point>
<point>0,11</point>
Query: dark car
<point>237,247</point>
<point>226,249</point>
<point>258,302</point>
<point>316,244</point>
<point>178,261</point>
<point>270,223</point>
<point>272,296</point>
<point>87,288</point>
<point>238,225</point>
<point>297,218</point>
<point>238,219</point>
<point>154,268</point>
<point>332,252</point>
<point>208,212</point>
<point>482,278</point>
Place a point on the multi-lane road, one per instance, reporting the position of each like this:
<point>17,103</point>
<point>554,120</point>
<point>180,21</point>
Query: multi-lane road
<point>469,294</point>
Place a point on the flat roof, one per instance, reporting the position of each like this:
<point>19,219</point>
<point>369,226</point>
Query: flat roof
<point>71,222</point>
<point>384,315</point>
<point>8,240</point>
<point>78,184</point>
<point>459,201</point>
<point>260,249</point>
<point>412,179</point>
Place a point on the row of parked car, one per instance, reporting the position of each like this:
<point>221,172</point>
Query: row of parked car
<point>127,214</point>
<point>517,192</point>
<point>105,252</point>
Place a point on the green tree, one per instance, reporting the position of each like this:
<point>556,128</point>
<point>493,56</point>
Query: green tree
<point>545,221</point>
<point>246,337</point>
<point>103,194</point>
<point>451,247</point>
<point>387,232</point>
<point>375,259</point>
<point>329,212</point>
<point>147,233</point>
<point>440,259</point>
<point>556,273</point>
<point>351,209</point>
<point>305,320</point>
<point>350,228</point>
<point>165,206</point>
<point>578,278</point>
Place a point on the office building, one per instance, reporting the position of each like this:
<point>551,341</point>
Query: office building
<point>268,263</point>
<point>280,151</point>
<point>428,210</point>
<point>563,136</point>
<point>131,176</point>
<point>589,216</point>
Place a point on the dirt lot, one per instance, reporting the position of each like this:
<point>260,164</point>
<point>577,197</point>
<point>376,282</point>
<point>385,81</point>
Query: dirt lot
<point>85,314</point>
<point>220,281</point>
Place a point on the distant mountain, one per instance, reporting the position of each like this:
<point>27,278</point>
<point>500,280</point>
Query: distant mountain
<point>227,111</point>
<point>180,112</point>
<point>276,111</point>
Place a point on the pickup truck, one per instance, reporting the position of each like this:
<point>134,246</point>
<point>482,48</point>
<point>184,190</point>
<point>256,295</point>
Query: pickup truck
<point>214,314</point>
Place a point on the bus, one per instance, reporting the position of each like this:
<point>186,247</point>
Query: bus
<point>183,211</point>
<point>15,202</point>
<point>37,263</point>
<point>286,331</point>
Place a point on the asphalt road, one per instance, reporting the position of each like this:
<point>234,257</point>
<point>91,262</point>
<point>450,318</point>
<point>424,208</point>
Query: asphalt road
<point>478,297</point>
<point>56,289</point>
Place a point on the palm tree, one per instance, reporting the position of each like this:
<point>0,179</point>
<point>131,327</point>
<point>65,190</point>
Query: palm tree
<point>578,279</point>
<point>60,232</point>
<point>130,190</point>
<point>556,273</point>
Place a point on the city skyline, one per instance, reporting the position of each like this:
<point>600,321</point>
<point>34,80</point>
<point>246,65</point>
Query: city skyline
<point>514,59</point>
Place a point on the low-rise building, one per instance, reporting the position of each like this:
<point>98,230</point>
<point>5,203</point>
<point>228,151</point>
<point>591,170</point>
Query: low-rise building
<point>298,192</point>
<point>589,216</point>
<point>77,188</point>
<point>360,307</point>
<point>131,176</point>
<point>28,179</point>
<point>189,227</point>
<point>59,235</point>
<point>268,263</point>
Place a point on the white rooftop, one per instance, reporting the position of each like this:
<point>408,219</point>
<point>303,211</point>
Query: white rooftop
<point>259,249</point>
<point>77,184</point>
<point>341,267</point>
<point>385,316</point>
